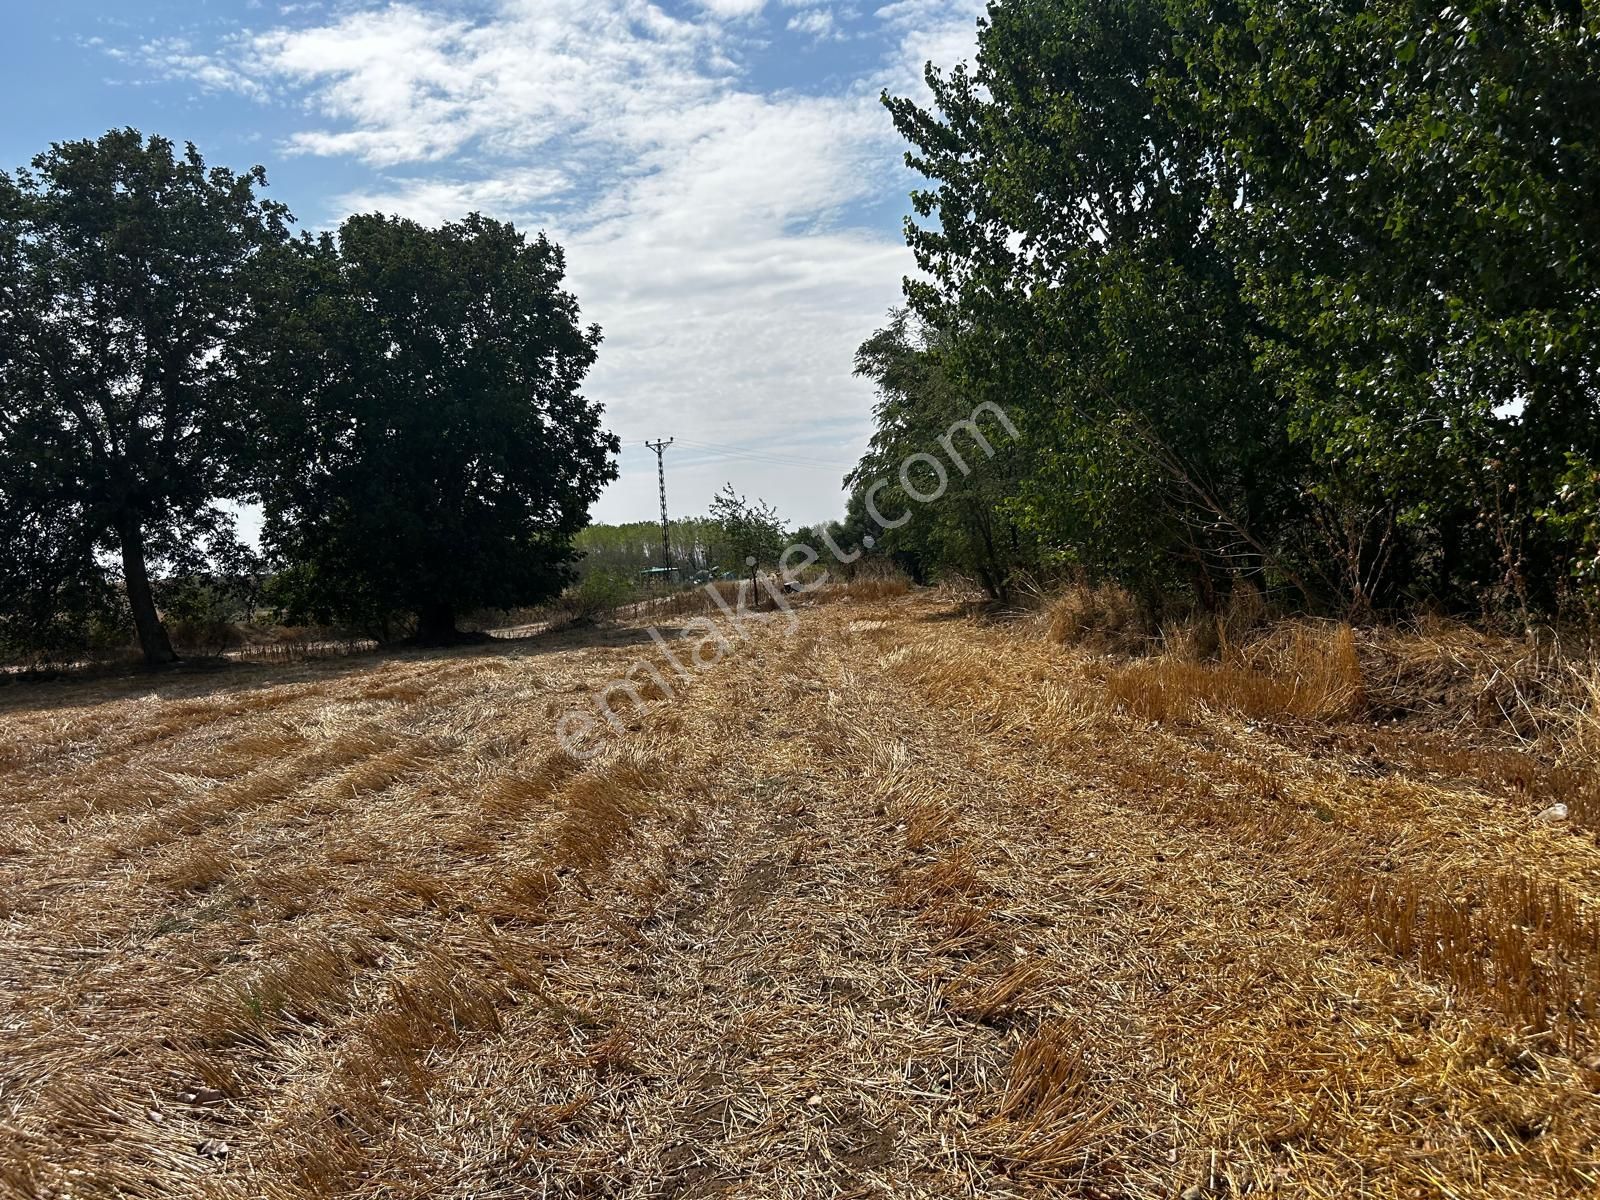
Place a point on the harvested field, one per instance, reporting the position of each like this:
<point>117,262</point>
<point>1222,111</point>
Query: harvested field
<point>900,903</point>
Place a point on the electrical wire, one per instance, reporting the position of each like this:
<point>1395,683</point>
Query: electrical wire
<point>709,457</point>
<point>811,464</point>
<point>740,450</point>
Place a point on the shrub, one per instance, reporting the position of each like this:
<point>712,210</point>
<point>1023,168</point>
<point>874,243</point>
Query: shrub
<point>205,636</point>
<point>594,598</point>
<point>203,614</point>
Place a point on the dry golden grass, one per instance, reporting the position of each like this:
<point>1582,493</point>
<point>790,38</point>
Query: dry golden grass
<point>1522,945</point>
<point>1104,618</point>
<point>1315,674</point>
<point>904,904</point>
<point>865,590</point>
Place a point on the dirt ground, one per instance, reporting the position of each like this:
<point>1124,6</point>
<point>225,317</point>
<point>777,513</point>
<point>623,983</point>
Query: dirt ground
<point>893,905</point>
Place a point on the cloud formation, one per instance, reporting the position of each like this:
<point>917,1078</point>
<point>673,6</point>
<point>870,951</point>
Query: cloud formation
<point>735,240</point>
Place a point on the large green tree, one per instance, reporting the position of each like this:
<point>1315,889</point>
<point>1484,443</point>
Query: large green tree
<point>425,447</point>
<point>1415,223</point>
<point>1072,276</point>
<point>928,490</point>
<point>124,281</point>
<point>1295,288</point>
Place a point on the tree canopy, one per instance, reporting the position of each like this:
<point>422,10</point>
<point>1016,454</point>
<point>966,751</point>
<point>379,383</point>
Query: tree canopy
<point>752,533</point>
<point>424,447</point>
<point>1291,291</point>
<point>973,526</point>
<point>404,402</point>
<point>124,279</point>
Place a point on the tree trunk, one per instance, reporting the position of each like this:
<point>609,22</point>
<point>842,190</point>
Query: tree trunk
<point>153,639</point>
<point>436,625</point>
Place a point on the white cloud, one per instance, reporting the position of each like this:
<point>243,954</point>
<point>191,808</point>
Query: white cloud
<point>815,22</point>
<point>707,223</point>
<point>175,58</point>
<point>410,84</point>
<point>733,8</point>
<point>522,190</point>
<point>938,31</point>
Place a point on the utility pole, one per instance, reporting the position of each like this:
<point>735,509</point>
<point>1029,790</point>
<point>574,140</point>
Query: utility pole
<point>661,478</point>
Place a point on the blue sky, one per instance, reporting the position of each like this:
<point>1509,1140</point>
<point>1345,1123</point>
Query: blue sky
<point>729,190</point>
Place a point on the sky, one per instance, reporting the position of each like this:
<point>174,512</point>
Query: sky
<point>727,186</point>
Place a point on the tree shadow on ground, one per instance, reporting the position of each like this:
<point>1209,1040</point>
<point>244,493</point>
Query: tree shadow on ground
<point>194,678</point>
<point>972,610</point>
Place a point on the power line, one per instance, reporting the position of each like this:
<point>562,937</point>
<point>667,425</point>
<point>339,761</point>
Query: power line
<point>769,459</point>
<point>745,452</point>
<point>705,451</point>
<point>661,477</point>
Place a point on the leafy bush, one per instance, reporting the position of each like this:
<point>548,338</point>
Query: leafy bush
<point>204,613</point>
<point>1574,516</point>
<point>594,598</point>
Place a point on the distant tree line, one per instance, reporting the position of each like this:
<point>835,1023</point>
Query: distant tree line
<point>736,529</point>
<point>695,544</point>
<point>1289,291</point>
<point>404,403</point>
